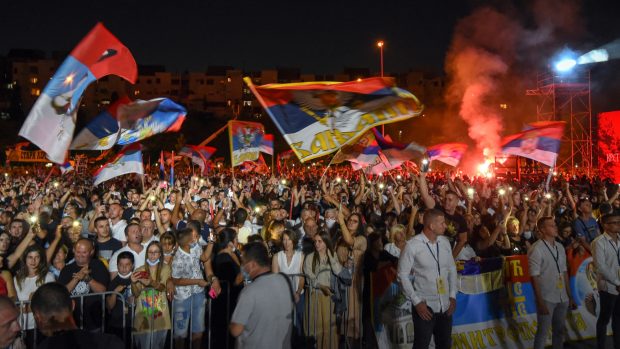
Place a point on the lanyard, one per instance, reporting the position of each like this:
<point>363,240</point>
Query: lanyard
<point>615,250</point>
<point>435,258</point>
<point>556,257</point>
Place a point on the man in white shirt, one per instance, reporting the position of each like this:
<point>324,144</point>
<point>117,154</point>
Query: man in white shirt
<point>134,245</point>
<point>428,257</point>
<point>606,255</point>
<point>547,262</point>
<point>117,223</point>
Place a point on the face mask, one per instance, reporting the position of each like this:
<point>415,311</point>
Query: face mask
<point>193,244</point>
<point>527,235</point>
<point>127,276</point>
<point>330,223</point>
<point>168,254</point>
<point>153,263</point>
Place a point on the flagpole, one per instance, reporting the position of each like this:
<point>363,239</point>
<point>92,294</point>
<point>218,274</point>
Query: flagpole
<point>206,141</point>
<point>326,168</point>
<point>272,161</point>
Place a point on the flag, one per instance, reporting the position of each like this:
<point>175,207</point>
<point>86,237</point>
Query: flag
<point>198,154</point>
<point>102,132</point>
<point>128,160</point>
<point>317,118</point>
<point>205,151</point>
<point>245,138</point>
<point>51,121</point>
<point>363,152</point>
<point>397,153</point>
<point>540,142</point>
<point>127,122</point>
<point>266,144</point>
<point>66,167</point>
<point>448,153</point>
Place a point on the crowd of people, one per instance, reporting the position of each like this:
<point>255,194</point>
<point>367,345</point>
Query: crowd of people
<point>153,252</point>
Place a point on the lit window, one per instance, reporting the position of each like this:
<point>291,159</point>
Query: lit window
<point>229,102</point>
<point>229,79</point>
<point>34,80</point>
<point>247,103</point>
<point>35,92</point>
<point>503,106</point>
<point>136,92</point>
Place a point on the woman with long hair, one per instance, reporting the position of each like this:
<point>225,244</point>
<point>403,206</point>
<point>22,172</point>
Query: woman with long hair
<point>227,269</point>
<point>32,273</point>
<point>152,318</point>
<point>319,267</point>
<point>351,249</point>
<point>290,261</point>
<point>169,247</point>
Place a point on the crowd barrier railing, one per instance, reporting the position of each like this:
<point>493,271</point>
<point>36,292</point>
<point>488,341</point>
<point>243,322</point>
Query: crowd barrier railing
<point>310,327</point>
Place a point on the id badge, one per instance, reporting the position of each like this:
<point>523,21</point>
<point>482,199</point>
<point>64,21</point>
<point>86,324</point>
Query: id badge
<point>560,284</point>
<point>441,286</point>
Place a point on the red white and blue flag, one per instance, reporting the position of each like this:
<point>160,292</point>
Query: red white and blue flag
<point>126,122</point>
<point>66,167</point>
<point>245,140</point>
<point>448,153</point>
<point>539,142</point>
<point>198,154</point>
<point>266,144</point>
<point>128,160</point>
<point>51,121</point>
<point>318,118</point>
<point>397,153</point>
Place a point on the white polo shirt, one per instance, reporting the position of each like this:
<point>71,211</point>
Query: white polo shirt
<point>548,261</point>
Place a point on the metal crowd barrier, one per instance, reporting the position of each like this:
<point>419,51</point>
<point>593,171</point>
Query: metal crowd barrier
<point>308,329</point>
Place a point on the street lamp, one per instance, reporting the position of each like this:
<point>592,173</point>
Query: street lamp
<point>380,46</point>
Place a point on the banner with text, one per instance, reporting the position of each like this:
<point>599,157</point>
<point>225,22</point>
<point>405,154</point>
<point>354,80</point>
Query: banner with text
<point>18,155</point>
<point>495,308</point>
<point>317,118</point>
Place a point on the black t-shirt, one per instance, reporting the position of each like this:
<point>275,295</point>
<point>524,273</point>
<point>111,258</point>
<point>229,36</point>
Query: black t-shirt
<point>81,339</point>
<point>128,213</point>
<point>115,318</point>
<point>92,304</point>
<point>106,249</point>
<point>455,224</point>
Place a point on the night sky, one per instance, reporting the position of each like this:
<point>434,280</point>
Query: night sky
<point>317,36</point>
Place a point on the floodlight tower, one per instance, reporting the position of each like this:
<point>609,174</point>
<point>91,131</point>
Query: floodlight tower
<point>564,95</point>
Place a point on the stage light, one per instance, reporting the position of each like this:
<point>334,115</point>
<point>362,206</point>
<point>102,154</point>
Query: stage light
<point>594,56</point>
<point>565,64</point>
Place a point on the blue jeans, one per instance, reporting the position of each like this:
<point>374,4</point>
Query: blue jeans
<point>191,308</point>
